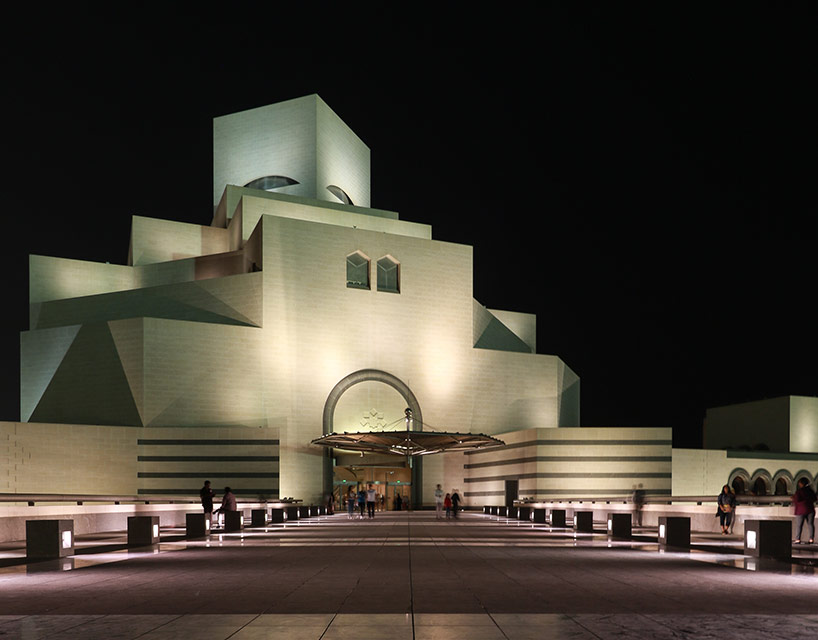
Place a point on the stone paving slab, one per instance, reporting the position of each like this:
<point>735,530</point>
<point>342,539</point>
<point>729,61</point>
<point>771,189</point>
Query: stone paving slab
<point>406,575</point>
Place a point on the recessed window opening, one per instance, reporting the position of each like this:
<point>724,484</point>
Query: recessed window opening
<point>357,271</point>
<point>339,193</point>
<point>388,275</point>
<point>270,183</point>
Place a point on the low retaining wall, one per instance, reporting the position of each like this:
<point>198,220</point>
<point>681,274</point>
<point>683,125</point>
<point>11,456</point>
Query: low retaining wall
<point>96,518</point>
<point>702,517</point>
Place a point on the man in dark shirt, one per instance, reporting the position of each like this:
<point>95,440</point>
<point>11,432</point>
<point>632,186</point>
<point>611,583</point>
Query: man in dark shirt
<point>207,495</point>
<point>455,503</point>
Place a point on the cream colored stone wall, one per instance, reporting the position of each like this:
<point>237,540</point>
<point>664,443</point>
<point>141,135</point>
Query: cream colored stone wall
<point>61,458</point>
<point>702,472</point>
<point>154,240</point>
<point>803,424</point>
<point>572,462</point>
<point>60,278</point>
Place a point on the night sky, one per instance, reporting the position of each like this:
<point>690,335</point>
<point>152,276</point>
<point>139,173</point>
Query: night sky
<point>642,180</point>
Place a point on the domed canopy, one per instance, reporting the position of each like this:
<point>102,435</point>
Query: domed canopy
<point>406,442</point>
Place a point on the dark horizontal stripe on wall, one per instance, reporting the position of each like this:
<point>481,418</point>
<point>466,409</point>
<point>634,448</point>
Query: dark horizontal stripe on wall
<point>207,458</point>
<point>471,494</point>
<point>478,465</point>
<point>770,455</point>
<point>225,442</point>
<point>207,474</point>
<point>268,491</point>
<point>521,476</point>
<point>537,443</point>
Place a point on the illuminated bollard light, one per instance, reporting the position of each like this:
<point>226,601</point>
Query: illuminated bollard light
<point>49,538</point>
<point>584,521</point>
<point>493,510</point>
<point>258,517</point>
<point>768,538</point>
<point>292,513</point>
<point>539,516</point>
<point>674,531</point>
<point>619,525</point>
<point>502,511</point>
<point>304,511</point>
<point>524,513</point>
<point>486,510</point>
<point>277,516</point>
<point>143,530</point>
<point>558,518</point>
<point>511,512</point>
<point>197,525</point>
<point>233,520</point>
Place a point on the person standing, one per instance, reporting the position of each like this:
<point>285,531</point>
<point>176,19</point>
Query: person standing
<point>455,503</point>
<point>361,503</point>
<point>803,503</point>
<point>638,499</point>
<point>447,504</point>
<point>370,501</point>
<point>350,504</point>
<point>206,494</point>
<point>727,502</point>
<point>439,502</point>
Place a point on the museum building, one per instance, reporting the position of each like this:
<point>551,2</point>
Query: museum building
<point>222,351</point>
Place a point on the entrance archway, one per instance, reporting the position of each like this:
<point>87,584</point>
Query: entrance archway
<point>374,375</point>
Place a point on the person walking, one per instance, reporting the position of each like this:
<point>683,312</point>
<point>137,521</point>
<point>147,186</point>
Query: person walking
<point>727,502</point>
<point>455,503</point>
<point>803,503</point>
<point>370,501</point>
<point>439,502</point>
<point>447,504</point>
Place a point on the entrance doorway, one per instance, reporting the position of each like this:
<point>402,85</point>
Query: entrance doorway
<point>389,482</point>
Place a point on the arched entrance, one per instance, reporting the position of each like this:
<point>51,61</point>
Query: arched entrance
<point>361,474</point>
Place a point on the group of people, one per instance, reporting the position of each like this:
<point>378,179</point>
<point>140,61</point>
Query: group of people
<point>364,499</point>
<point>207,495</point>
<point>803,503</point>
<point>449,502</point>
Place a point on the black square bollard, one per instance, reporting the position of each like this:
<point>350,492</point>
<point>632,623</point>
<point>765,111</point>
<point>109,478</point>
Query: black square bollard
<point>502,511</point>
<point>619,524</point>
<point>49,538</point>
<point>584,521</point>
<point>143,530</point>
<point>197,525</point>
<point>258,517</point>
<point>558,518</point>
<point>233,520</point>
<point>277,516</point>
<point>486,509</point>
<point>493,510</point>
<point>768,538</point>
<point>293,513</point>
<point>539,515</point>
<point>524,513</point>
<point>511,512</point>
<point>674,531</point>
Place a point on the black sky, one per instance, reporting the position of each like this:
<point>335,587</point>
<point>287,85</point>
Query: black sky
<point>644,180</point>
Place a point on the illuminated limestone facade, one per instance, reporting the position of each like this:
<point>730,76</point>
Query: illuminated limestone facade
<point>221,351</point>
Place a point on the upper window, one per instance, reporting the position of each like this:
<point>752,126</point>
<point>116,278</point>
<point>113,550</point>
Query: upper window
<point>389,275</point>
<point>357,271</point>
<point>270,183</point>
<point>339,193</point>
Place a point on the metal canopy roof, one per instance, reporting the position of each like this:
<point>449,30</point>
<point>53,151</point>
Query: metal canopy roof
<point>406,442</point>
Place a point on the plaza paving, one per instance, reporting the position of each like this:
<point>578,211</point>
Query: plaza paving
<point>407,575</point>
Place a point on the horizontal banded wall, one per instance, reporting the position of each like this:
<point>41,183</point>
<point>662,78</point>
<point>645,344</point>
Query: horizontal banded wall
<point>571,462</point>
<point>177,461</point>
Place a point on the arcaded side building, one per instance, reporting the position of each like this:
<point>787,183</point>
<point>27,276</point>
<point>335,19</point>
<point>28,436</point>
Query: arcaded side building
<point>222,351</point>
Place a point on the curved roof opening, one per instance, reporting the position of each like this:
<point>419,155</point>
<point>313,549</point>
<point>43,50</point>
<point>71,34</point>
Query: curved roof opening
<point>270,183</point>
<point>339,193</point>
